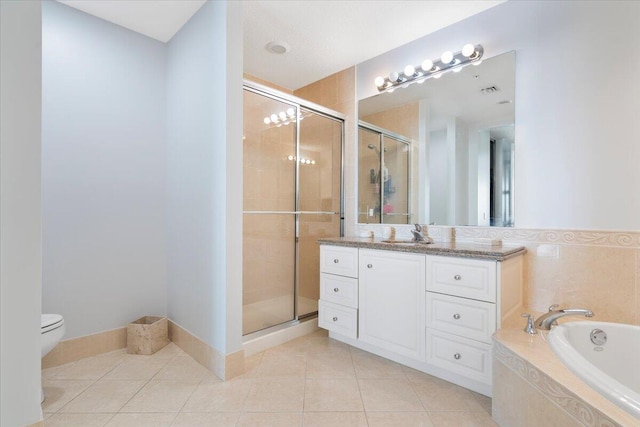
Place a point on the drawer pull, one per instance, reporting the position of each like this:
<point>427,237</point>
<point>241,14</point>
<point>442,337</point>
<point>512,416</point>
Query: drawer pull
<point>335,289</point>
<point>457,277</point>
<point>335,261</point>
<point>335,319</point>
<point>457,356</point>
<point>456,316</point>
<point>369,265</point>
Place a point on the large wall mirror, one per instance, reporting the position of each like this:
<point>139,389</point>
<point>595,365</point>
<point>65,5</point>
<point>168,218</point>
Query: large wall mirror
<point>441,151</point>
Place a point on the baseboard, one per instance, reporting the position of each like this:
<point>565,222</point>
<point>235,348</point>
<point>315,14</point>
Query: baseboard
<point>73,349</point>
<point>223,366</point>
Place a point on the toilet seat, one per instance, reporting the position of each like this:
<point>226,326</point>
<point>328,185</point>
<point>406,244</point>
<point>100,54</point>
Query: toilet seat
<point>50,322</point>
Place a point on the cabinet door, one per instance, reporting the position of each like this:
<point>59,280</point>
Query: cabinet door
<point>392,301</point>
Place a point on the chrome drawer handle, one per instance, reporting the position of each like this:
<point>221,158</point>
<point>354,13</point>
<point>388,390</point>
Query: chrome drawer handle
<point>335,289</point>
<point>335,261</point>
<point>456,316</point>
<point>457,277</point>
<point>457,356</point>
<point>369,265</point>
<point>335,319</point>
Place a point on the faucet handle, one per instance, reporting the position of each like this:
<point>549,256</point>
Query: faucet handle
<point>530,329</point>
<point>553,307</point>
<point>418,227</point>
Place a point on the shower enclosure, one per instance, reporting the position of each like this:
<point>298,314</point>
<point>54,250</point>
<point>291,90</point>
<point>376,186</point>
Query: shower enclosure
<point>292,196</point>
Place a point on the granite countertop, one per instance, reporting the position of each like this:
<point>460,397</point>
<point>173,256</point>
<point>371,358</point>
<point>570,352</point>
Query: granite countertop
<point>458,249</point>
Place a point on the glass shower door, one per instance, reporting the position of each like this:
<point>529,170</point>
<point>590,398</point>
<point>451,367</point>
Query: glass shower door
<point>269,219</point>
<point>319,200</point>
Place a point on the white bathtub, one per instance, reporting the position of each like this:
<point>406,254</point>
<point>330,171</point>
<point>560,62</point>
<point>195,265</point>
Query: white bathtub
<point>613,368</point>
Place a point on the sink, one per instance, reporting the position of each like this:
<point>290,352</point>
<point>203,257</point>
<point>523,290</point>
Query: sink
<point>407,242</point>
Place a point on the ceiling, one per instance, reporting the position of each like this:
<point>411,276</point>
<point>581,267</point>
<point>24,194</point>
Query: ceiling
<point>324,36</point>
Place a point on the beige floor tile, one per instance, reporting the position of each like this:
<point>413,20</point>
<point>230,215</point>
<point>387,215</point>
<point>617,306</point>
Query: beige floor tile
<point>136,368</point>
<point>439,395</point>
<point>332,395</point>
<point>219,396</point>
<point>282,365</point>
<point>270,420</point>
<point>484,401</point>
<point>275,395</point>
<point>396,419</point>
<point>161,396</point>
<point>77,420</point>
<point>370,366</point>
<point>168,352</point>
<point>104,396</point>
<point>389,395</point>
<point>334,419</point>
<point>252,364</point>
<point>182,368</point>
<point>58,393</point>
<point>141,420</point>
<point>463,419</point>
<point>91,368</point>
<point>50,373</point>
<point>205,420</point>
<point>331,365</point>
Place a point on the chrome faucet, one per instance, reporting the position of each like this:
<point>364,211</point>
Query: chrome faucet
<point>549,319</point>
<point>418,235</point>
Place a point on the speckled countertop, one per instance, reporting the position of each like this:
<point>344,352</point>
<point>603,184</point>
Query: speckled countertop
<point>457,249</point>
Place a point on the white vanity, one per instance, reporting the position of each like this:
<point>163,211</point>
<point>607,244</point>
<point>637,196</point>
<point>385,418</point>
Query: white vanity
<point>430,307</point>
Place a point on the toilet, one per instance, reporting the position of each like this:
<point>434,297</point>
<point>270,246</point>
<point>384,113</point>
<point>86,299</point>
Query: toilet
<point>51,332</point>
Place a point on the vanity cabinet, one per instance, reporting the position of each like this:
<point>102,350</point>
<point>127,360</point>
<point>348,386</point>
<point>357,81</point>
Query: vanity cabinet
<point>435,313</point>
<point>391,301</point>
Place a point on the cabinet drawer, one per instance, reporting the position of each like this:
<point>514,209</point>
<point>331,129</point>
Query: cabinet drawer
<point>468,318</point>
<point>339,290</point>
<point>339,260</point>
<point>462,356</point>
<point>469,278</point>
<point>337,318</point>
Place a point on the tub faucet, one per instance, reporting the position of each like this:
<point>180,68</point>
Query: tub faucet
<point>549,319</point>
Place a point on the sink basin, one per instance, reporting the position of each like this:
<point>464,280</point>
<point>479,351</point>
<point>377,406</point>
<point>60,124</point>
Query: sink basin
<point>407,242</point>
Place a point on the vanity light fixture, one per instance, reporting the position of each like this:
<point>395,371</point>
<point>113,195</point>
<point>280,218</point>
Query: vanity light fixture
<point>281,118</point>
<point>448,61</point>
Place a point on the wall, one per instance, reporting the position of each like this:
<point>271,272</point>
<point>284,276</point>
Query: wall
<point>204,176</point>
<point>20,217</point>
<point>572,119</point>
<point>103,173</point>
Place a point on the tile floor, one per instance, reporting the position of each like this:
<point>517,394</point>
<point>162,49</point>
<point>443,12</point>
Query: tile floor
<point>311,381</point>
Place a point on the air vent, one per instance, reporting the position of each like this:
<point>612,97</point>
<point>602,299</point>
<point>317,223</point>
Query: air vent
<point>490,89</point>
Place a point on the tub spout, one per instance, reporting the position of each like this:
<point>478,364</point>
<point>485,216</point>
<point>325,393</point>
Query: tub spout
<point>547,320</point>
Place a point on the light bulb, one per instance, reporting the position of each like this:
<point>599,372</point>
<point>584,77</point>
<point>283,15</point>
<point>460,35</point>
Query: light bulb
<point>468,50</point>
<point>267,120</point>
<point>379,81</point>
<point>290,157</point>
<point>394,77</point>
<point>427,65</point>
<point>291,112</point>
<point>409,70</point>
<point>283,115</point>
<point>274,118</point>
<point>313,162</point>
<point>447,57</point>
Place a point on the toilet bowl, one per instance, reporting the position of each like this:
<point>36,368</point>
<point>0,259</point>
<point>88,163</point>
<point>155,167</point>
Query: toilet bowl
<point>51,332</point>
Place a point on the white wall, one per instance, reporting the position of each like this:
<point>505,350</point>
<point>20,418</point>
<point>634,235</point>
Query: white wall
<point>103,161</point>
<point>577,102</point>
<point>204,167</point>
<point>21,242</point>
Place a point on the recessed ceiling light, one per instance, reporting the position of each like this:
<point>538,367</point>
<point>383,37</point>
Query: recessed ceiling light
<point>278,47</point>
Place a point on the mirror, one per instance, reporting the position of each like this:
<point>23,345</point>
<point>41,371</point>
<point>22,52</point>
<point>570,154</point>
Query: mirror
<point>459,138</point>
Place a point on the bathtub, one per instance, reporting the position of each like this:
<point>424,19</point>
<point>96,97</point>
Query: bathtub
<point>612,368</point>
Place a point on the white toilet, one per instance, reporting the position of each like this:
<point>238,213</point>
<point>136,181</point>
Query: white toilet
<point>51,332</point>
